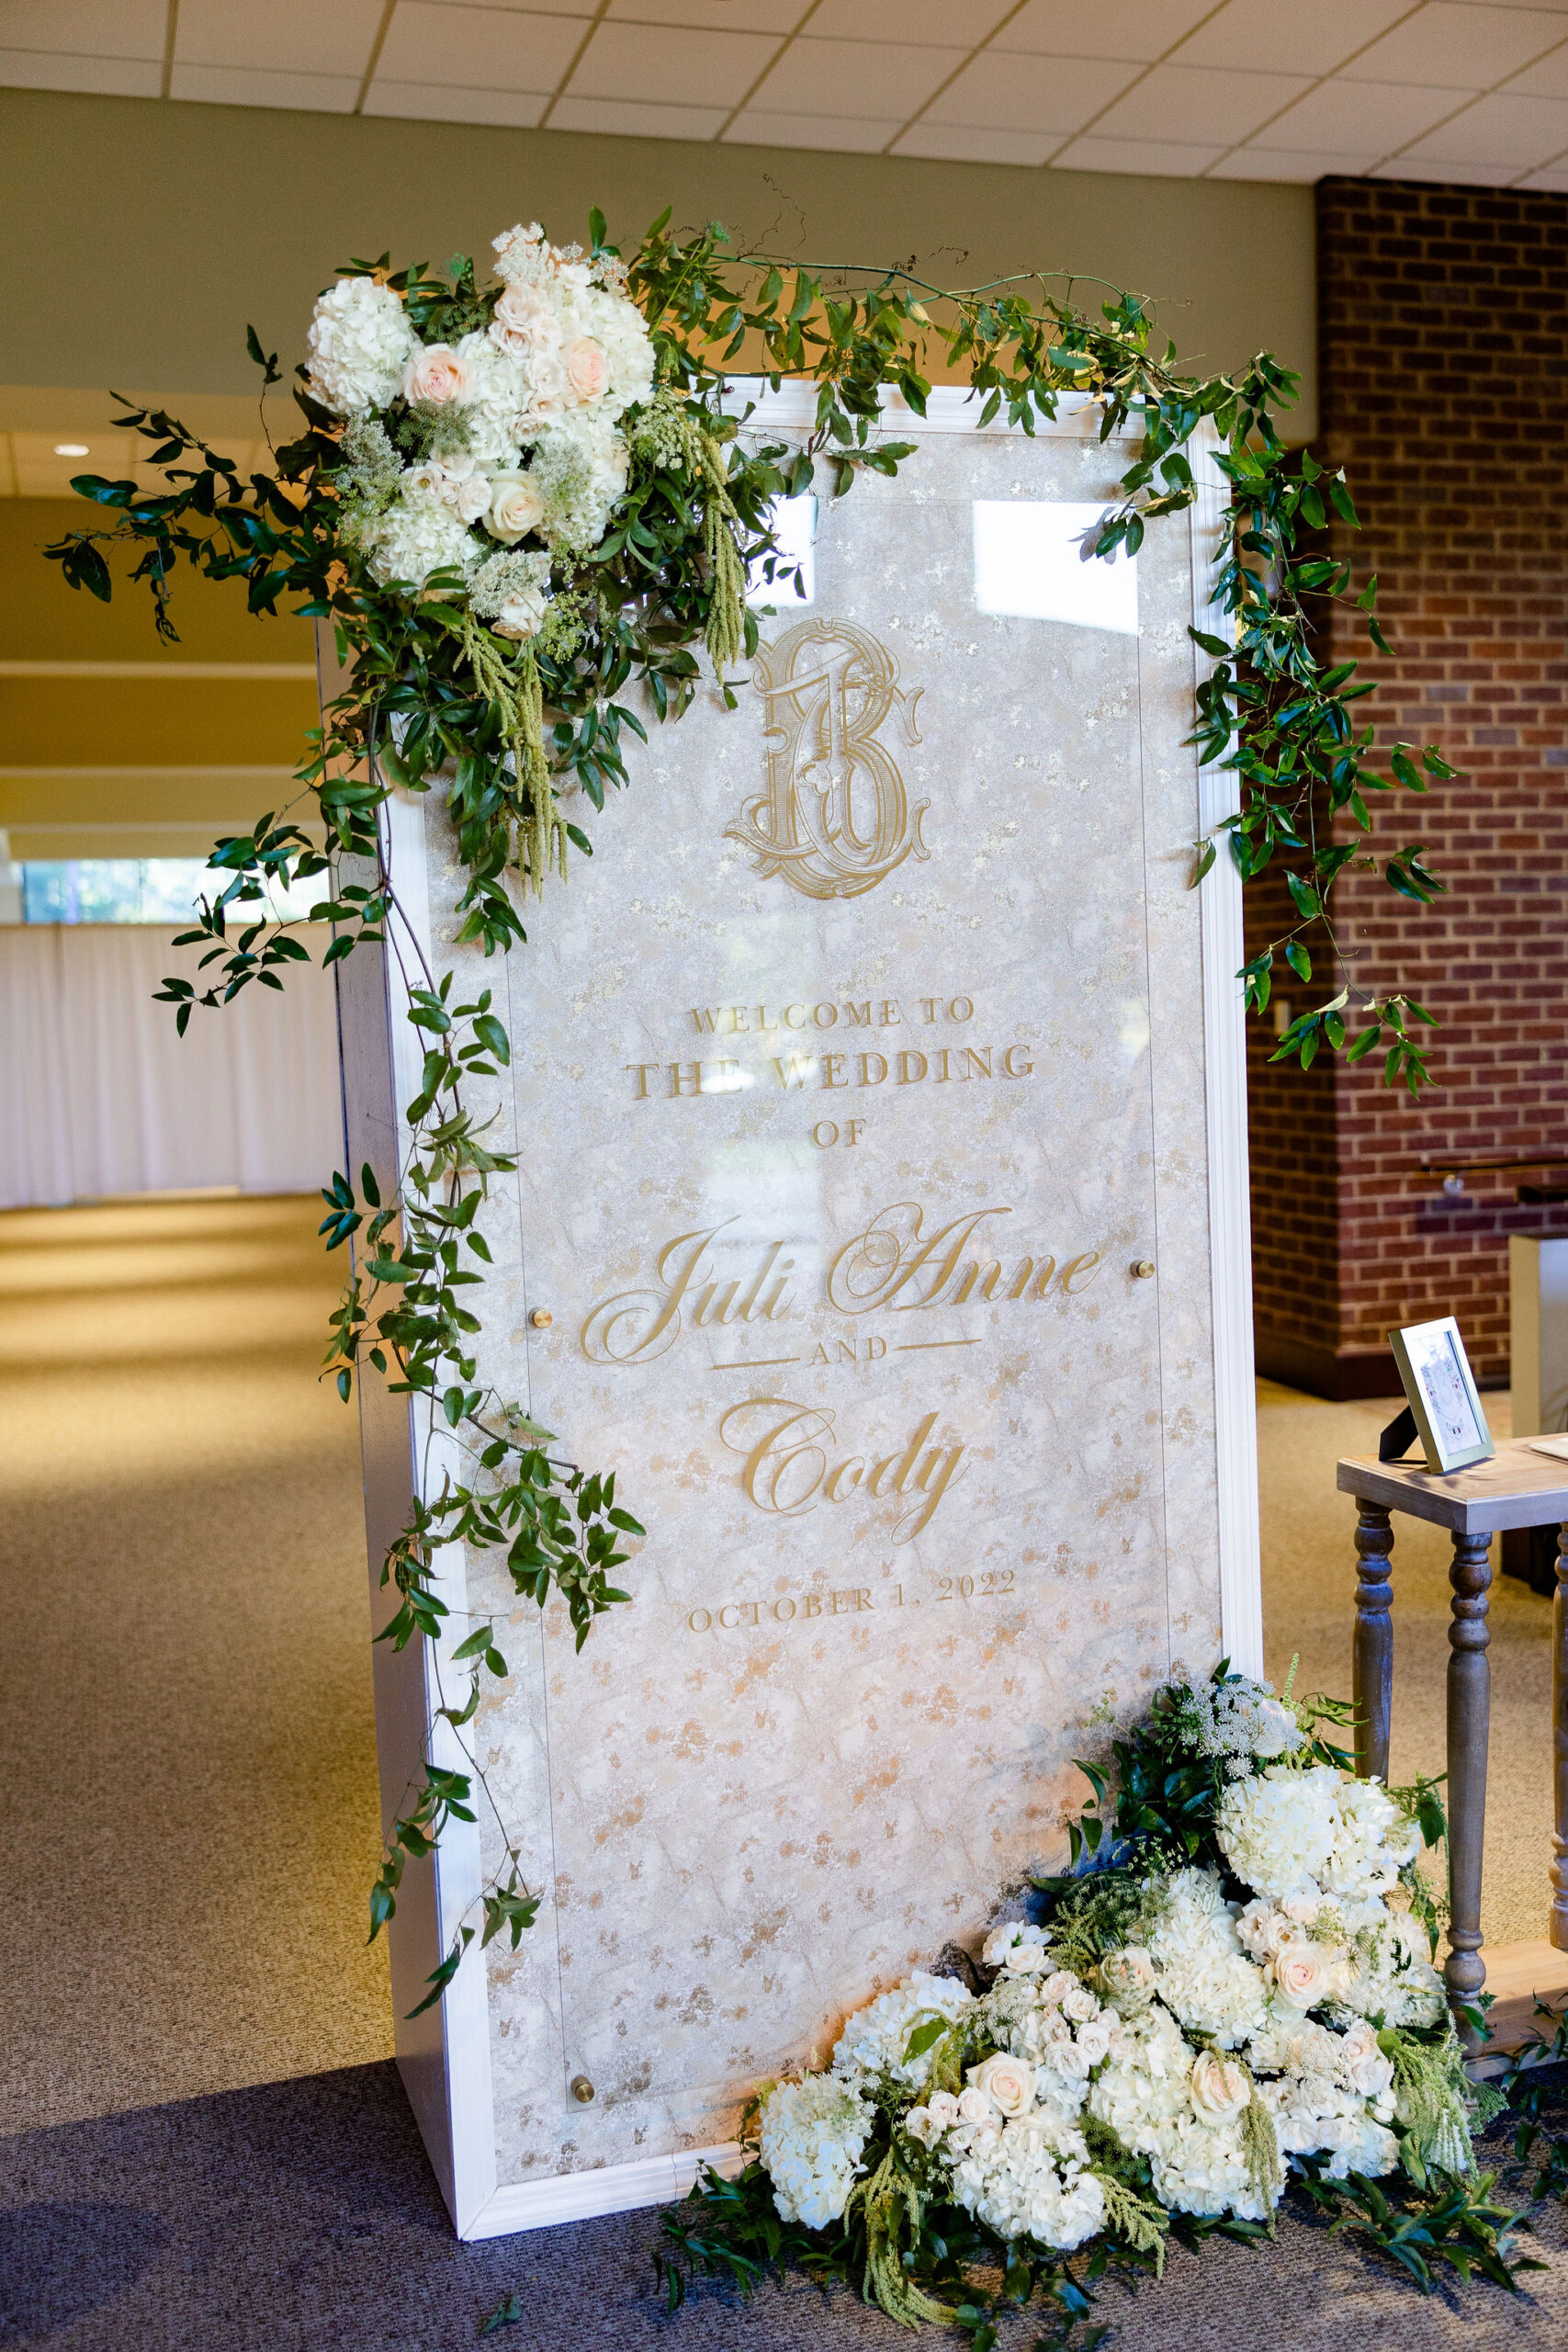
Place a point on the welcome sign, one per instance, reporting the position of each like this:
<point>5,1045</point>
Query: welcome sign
<point>860,1097</point>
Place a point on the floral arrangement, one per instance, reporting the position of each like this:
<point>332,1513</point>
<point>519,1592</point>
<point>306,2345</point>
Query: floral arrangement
<point>529,509</point>
<point>1238,1989</point>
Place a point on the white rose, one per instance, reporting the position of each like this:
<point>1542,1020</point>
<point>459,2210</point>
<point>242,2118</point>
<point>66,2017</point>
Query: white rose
<point>1266,1931</point>
<point>522,616</point>
<point>943,2108</point>
<point>587,370</point>
<point>1007,2081</point>
<point>1130,1974</point>
<point>1026,1959</point>
<point>1303,1975</point>
<point>436,373</point>
<point>1366,2068</point>
<point>922,2126</point>
<point>973,2105</point>
<point>524,324</point>
<point>1058,1988</point>
<point>1070,2060</point>
<point>1302,1906</point>
<point>1094,2040</point>
<point>1218,2086</point>
<point>516,507</point>
<point>1080,2005</point>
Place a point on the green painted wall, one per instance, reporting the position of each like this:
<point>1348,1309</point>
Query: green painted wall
<point>141,236</point>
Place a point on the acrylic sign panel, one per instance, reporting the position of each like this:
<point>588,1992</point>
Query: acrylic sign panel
<point>853,1077</point>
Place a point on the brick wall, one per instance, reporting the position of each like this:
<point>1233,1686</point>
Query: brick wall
<point>1444,358</point>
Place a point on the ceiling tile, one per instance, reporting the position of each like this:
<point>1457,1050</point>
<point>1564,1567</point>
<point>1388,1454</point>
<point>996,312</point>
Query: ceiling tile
<point>1287,164</point>
<point>936,23</point>
<point>1311,40</point>
<point>1158,157</point>
<point>1139,29</point>
<point>1459,47</point>
<point>852,77</point>
<point>840,134</point>
<point>1513,135</point>
<point>240,85</point>
<point>477,48</point>
<point>1553,180</point>
<point>432,102</point>
<point>957,144</point>
<point>1353,118</point>
<point>1196,104</point>
<point>87,28</point>
<point>115,77</point>
<point>630,120</point>
<point>779,16</point>
<point>295,35</point>
<point>682,68</point>
<point>1040,93</point>
<point>1548,78</point>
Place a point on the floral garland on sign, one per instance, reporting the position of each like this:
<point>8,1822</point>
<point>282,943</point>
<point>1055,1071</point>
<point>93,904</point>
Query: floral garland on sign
<point>526,508</point>
<point>1234,1993</point>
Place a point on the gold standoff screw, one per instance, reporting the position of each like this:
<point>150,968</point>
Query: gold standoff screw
<point>1143,1268</point>
<point>582,2090</point>
<point>541,1320</point>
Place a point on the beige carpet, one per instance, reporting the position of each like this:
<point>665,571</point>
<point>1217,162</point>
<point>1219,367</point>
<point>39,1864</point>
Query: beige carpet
<point>184,1686</point>
<point>186,1732</point>
<point>1309,1583</point>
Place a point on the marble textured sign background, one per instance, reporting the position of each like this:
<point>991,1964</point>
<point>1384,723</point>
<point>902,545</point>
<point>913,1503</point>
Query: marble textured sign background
<point>832,1179</point>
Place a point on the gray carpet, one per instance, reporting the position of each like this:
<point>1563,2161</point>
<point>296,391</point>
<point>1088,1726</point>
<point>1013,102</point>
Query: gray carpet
<point>301,2215</point>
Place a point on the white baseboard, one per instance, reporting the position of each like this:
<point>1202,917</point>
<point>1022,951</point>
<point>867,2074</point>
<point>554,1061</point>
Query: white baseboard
<point>612,2189</point>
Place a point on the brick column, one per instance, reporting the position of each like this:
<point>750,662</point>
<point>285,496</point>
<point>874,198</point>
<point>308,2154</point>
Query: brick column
<point>1443,320</point>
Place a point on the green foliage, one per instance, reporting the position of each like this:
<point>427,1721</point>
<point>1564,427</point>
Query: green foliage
<point>432,692</point>
<point>1456,2224</point>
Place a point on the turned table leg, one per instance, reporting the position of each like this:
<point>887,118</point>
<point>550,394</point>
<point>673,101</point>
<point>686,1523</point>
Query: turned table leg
<point>1470,1711</point>
<point>1373,1654</point>
<point>1559,1930</point>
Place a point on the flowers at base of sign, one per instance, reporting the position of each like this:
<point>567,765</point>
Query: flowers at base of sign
<point>1191,2021</point>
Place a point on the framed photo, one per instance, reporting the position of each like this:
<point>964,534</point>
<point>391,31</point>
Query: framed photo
<point>1441,1389</point>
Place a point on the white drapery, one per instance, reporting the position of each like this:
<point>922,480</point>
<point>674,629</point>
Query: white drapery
<point>98,1094</point>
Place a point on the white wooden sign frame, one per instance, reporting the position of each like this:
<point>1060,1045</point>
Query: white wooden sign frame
<point>444,2055</point>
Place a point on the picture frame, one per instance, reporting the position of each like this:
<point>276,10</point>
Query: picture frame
<point>1442,1394</point>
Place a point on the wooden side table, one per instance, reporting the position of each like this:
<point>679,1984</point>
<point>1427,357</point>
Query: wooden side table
<point>1518,1488</point>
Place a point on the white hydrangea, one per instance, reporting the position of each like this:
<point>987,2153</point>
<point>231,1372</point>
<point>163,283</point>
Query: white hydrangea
<point>1201,1972</point>
<point>579,467</point>
<point>618,327</point>
<point>1032,2179</point>
<point>1329,2094</point>
<point>812,2135</point>
<point>1372,1843</point>
<point>418,534</point>
<point>874,2039</point>
<point>1056,2023</point>
<point>1386,1972</point>
<point>494,401</point>
<point>1144,2095</point>
<point>1277,1831</point>
<point>359,346</point>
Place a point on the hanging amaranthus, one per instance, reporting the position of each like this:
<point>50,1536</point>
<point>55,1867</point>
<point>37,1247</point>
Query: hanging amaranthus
<point>726,630</point>
<point>518,695</point>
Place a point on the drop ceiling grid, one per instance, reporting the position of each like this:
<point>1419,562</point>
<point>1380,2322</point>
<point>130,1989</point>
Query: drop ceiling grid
<point>1471,90</point>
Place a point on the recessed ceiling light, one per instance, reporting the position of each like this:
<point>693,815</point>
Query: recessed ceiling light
<point>72,449</point>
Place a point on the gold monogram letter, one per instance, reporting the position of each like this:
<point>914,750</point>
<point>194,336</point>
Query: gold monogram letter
<point>835,818</point>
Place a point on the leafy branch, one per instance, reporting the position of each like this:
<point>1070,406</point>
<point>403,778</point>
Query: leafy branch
<point>434,699</point>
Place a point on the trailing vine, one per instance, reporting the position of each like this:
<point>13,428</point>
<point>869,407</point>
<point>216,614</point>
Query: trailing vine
<point>518,720</point>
